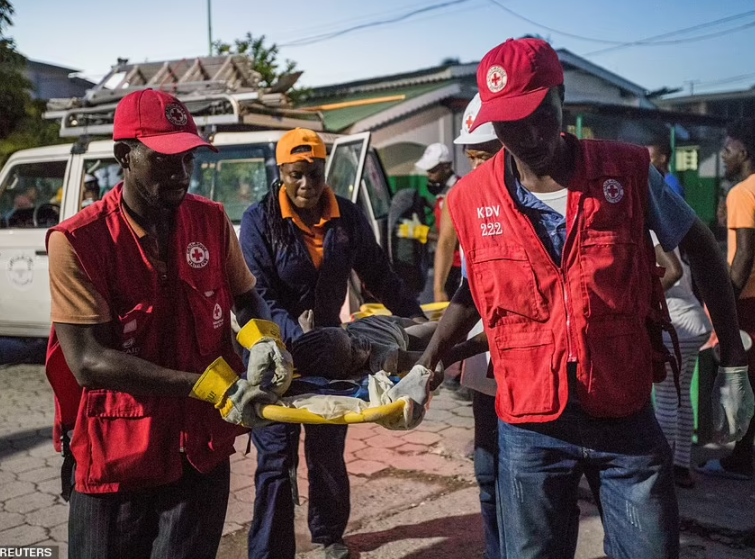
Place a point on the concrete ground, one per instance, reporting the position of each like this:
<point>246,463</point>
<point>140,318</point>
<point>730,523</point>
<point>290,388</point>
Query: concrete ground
<point>413,493</point>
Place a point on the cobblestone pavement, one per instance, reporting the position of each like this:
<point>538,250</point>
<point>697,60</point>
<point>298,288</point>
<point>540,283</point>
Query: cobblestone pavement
<point>413,493</point>
<point>32,512</point>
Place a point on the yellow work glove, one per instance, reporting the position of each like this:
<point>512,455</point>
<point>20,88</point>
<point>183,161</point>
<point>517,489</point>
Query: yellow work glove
<point>235,398</point>
<point>413,229</point>
<point>270,365</point>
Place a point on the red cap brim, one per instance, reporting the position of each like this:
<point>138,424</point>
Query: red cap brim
<point>507,109</point>
<point>176,142</point>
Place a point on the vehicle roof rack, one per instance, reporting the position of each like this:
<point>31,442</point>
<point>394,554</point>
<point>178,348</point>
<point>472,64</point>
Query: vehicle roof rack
<point>222,92</point>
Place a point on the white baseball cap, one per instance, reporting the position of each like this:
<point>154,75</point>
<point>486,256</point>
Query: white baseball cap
<point>434,155</point>
<point>482,134</point>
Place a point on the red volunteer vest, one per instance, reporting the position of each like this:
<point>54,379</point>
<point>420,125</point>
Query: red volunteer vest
<point>591,310</point>
<point>181,320</point>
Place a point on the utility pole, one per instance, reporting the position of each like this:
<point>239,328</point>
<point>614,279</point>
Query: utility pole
<point>209,25</point>
<point>691,85</point>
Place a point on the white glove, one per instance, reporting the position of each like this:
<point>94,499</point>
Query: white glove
<point>244,400</point>
<point>235,398</point>
<point>270,367</point>
<point>733,404</point>
<point>413,389</point>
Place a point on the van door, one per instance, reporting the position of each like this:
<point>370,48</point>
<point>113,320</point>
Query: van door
<point>346,164</point>
<point>31,197</point>
<point>354,171</point>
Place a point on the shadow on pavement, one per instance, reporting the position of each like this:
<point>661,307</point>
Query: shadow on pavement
<point>462,537</point>
<point>23,440</point>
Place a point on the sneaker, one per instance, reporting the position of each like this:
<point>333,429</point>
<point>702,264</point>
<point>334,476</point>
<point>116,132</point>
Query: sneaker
<point>715,468</point>
<point>336,550</point>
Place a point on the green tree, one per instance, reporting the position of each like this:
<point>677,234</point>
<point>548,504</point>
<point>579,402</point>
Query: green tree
<point>21,122</point>
<point>14,87</point>
<point>265,62</point>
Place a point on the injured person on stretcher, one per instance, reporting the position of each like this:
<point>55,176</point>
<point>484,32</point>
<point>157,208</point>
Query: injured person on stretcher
<point>363,371</point>
<point>371,344</point>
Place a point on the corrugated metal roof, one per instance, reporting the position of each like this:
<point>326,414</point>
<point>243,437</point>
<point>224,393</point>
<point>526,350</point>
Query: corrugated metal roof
<point>341,119</point>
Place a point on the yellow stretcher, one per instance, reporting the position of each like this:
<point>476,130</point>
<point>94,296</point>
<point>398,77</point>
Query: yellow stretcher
<point>284,414</point>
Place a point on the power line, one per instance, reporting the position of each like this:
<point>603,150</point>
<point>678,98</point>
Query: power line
<point>326,36</point>
<point>723,81</point>
<point>649,41</point>
<point>654,40</point>
<point>294,34</point>
<point>551,29</point>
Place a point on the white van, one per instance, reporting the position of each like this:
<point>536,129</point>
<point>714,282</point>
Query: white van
<point>42,186</point>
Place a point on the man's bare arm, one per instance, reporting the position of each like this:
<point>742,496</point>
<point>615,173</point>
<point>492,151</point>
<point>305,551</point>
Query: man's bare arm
<point>96,365</point>
<point>741,266</point>
<point>671,265</point>
<point>712,278</point>
<point>444,253</point>
<point>458,319</point>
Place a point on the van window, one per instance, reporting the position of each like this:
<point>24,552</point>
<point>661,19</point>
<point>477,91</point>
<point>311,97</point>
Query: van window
<point>237,176</point>
<point>31,194</point>
<point>100,177</point>
<point>342,176</point>
<point>377,189</point>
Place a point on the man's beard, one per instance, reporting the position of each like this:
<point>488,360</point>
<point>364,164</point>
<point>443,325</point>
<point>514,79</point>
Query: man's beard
<point>435,188</point>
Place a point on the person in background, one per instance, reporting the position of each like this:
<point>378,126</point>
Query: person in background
<point>561,269</point>
<point>738,157</point>
<point>91,191</point>
<point>143,284</point>
<point>437,163</point>
<point>673,409</point>
<point>479,146</point>
<point>302,242</point>
<point>660,158</point>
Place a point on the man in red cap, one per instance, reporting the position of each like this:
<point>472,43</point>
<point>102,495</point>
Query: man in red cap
<point>562,272</point>
<point>143,283</point>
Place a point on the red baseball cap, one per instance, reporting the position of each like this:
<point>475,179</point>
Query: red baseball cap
<point>159,121</point>
<point>514,78</point>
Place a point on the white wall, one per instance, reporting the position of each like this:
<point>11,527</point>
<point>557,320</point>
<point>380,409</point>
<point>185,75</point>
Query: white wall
<point>436,124</point>
<point>585,87</point>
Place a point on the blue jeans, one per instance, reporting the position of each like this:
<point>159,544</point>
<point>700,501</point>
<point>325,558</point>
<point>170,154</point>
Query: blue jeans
<point>629,461</point>
<point>271,535</point>
<point>485,470</point>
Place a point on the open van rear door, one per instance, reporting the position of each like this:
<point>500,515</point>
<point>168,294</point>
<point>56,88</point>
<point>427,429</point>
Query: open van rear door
<point>346,165</point>
<point>344,175</point>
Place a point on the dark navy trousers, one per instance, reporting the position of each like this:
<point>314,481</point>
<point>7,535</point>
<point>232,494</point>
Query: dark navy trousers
<point>271,535</point>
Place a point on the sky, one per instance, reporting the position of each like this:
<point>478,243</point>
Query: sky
<point>90,35</point>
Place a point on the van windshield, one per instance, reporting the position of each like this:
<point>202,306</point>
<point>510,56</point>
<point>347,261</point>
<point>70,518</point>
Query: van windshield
<point>31,194</point>
<point>237,176</point>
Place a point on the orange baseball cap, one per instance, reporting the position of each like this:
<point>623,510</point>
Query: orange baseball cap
<point>295,139</point>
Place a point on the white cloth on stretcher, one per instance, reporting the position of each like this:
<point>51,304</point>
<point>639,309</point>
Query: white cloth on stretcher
<point>412,389</point>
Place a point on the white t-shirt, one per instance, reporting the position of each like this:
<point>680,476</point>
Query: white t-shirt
<point>554,200</point>
<point>686,312</point>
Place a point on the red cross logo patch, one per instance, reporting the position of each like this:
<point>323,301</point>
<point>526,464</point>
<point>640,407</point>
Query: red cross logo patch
<point>469,122</point>
<point>197,255</point>
<point>613,191</point>
<point>496,78</point>
<point>176,115</point>
<point>217,312</point>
